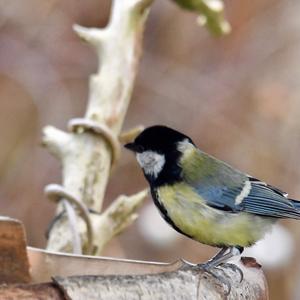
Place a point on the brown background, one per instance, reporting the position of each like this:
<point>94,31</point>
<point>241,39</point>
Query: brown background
<point>237,96</point>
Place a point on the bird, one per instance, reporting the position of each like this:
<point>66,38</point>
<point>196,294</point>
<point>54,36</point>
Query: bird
<point>205,198</point>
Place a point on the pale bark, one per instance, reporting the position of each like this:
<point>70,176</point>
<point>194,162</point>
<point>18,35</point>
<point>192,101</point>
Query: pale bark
<point>114,278</point>
<point>186,283</point>
<point>87,153</point>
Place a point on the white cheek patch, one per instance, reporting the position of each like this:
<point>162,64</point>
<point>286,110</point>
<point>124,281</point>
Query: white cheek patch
<point>151,162</point>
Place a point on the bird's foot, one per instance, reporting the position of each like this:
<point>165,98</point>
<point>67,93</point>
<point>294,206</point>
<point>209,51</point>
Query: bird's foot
<point>214,272</point>
<point>234,268</point>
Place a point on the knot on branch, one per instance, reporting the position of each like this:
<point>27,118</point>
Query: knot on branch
<point>56,193</point>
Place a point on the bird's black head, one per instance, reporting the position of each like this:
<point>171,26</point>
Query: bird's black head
<point>157,153</point>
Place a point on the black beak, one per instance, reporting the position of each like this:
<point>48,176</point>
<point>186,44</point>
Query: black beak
<point>131,146</point>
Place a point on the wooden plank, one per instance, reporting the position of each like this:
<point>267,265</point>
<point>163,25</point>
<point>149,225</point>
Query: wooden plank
<point>14,265</point>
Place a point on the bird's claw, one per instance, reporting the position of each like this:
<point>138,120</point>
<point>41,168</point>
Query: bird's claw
<point>234,268</point>
<point>209,269</point>
<point>205,266</point>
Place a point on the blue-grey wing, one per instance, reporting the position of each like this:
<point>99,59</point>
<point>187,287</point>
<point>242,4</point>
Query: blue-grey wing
<point>228,189</point>
<point>252,196</point>
<point>217,183</point>
<point>221,197</point>
<point>266,200</point>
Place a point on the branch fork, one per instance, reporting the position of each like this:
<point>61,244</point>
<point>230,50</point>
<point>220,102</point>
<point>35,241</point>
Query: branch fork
<point>91,147</point>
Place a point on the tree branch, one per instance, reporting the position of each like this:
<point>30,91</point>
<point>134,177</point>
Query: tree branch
<point>22,270</point>
<point>86,155</point>
<point>186,283</point>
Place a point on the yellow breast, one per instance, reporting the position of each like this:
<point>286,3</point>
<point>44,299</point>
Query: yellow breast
<point>208,225</point>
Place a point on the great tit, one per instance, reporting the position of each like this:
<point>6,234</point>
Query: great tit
<point>206,199</point>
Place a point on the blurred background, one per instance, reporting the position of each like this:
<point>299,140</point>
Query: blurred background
<point>237,96</point>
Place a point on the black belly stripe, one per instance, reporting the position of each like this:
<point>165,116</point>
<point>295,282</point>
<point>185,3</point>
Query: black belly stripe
<point>164,212</point>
